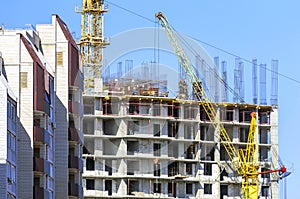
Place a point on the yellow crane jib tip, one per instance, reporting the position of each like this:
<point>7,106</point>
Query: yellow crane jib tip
<point>159,15</point>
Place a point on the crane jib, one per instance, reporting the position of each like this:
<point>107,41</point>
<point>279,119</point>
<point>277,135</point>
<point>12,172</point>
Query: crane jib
<point>243,160</point>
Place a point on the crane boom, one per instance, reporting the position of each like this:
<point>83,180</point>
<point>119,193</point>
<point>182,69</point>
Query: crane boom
<point>244,160</point>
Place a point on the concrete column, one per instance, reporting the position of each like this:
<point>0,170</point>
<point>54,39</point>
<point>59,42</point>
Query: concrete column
<point>99,184</point>
<point>235,133</point>
<point>180,130</point>
<point>98,147</point>
<point>98,127</point>
<point>122,128</point>
<point>122,188</point>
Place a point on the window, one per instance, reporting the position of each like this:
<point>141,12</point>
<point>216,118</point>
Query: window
<point>245,116</point>
<point>132,147</point>
<point>227,114</point>
<point>11,173</point>
<point>156,130</point>
<point>223,154</point>
<point>172,129</point>
<point>8,109</point>
<point>51,170</point>
<point>208,169</point>
<point>206,133</point>
<point>156,169</point>
<point>90,164</point>
<point>207,188</point>
<point>156,149</point>
<point>263,154</point>
<point>189,168</point>
<point>107,107</point>
<point>172,189</point>
<point>108,187</point>
<point>24,79</point>
<point>244,134</point>
<point>157,187</point>
<point>265,175</point>
<point>133,186</point>
<point>265,191</point>
<point>133,108</point>
<point>132,166</point>
<point>133,126</point>
<point>190,153</point>
<point>108,166</point>
<point>59,58</point>
<point>156,109</point>
<point>51,88</point>
<point>189,188</point>
<point>264,136</point>
<point>202,132</point>
<point>224,190</point>
<point>50,183</point>
<point>188,131</point>
<point>173,168</point>
<point>90,184</point>
<point>11,115</point>
<point>264,118</point>
<point>11,141</point>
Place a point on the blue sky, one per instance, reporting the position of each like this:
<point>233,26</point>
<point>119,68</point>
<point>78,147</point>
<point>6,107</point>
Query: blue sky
<point>264,30</point>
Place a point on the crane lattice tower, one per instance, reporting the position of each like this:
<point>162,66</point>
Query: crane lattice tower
<point>92,42</point>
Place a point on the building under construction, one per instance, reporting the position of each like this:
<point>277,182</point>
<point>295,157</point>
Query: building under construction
<point>134,137</point>
<point>147,146</point>
<point>141,142</point>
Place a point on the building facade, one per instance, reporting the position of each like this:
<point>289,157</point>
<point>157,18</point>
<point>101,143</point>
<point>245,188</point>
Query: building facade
<point>43,67</point>
<point>8,137</point>
<point>61,51</point>
<point>147,146</point>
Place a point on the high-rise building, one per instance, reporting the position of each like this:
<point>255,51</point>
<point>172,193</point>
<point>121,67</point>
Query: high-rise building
<point>8,137</point>
<point>61,51</point>
<point>139,142</point>
<point>150,146</point>
<point>43,69</point>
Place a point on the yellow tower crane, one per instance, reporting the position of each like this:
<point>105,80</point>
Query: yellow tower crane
<point>245,161</point>
<point>92,42</point>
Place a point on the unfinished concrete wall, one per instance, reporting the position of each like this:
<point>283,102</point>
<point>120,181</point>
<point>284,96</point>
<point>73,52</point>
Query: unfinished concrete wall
<point>154,151</point>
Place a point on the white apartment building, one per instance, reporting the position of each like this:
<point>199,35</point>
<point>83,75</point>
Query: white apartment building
<point>8,137</point>
<point>43,69</point>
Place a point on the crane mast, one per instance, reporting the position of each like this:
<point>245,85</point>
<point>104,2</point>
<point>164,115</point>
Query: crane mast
<point>92,42</point>
<point>245,161</point>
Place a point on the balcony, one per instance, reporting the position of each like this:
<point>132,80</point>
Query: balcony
<point>11,125</point>
<point>75,163</point>
<point>39,88</point>
<point>39,192</point>
<point>47,108</point>
<point>41,135</point>
<point>75,190</point>
<point>74,135</point>
<point>75,75</point>
<point>41,165</point>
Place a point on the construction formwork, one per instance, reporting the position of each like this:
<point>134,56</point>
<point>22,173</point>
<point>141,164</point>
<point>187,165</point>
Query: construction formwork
<point>146,146</point>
